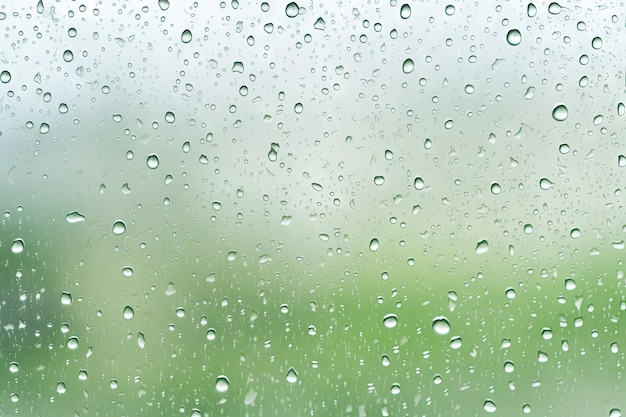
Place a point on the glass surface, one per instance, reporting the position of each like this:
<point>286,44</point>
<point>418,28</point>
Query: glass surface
<point>369,208</point>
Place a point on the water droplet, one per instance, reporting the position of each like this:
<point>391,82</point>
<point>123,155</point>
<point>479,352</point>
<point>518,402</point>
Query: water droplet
<point>408,66</point>
<point>128,313</point>
<point>82,375</point>
<point>559,113</point>
<point>14,398</point>
<point>596,43</point>
<point>405,11</point>
<point>450,9</point>
<point>390,321</point>
<point>141,340</point>
<point>379,180</point>
<point>621,161</point>
<point>456,342</point>
<point>621,108</point>
<point>164,4</point>
<point>441,325</point>
<point>489,406</point>
<point>44,128</point>
<point>119,227</point>
<point>374,245</point>
<point>292,9</point>
<point>509,367</point>
<point>482,247</point>
<point>170,117</point>
<point>469,89</point>
<point>186,36</point>
<point>385,360</point>
<point>319,24</point>
<point>17,246</point>
<point>564,148</point>
<point>72,343</point>
<point>5,76</point>
<point>66,298</point>
<point>237,67</point>
<point>127,271</point>
<point>388,155</point>
<point>510,293</point>
<point>152,161</point>
<point>531,10</point>
<point>113,384</point>
<point>74,217</point>
<point>545,184</point>
<point>40,6</point>
<point>495,188</point>
<point>272,155</point>
<point>514,37</point>
<point>316,186</point>
<point>528,228</point>
<point>211,334</point>
<point>546,333</point>
<point>14,367</point>
<point>298,108</point>
<point>575,233</point>
<point>68,56</point>
<point>570,284</point>
<point>542,357</point>
<point>395,389</point>
<point>615,412</point>
<point>554,8</point>
<point>61,387</point>
<point>418,183</point>
<point>292,376</point>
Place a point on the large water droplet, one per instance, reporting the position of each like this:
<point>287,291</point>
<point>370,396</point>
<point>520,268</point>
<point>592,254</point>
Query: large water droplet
<point>186,36</point>
<point>575,233</point>
<point>14,367</point>
<point>482,247</point>
<point>164,4</point>
<point>374,245</point>
<point>17,246</point>
<point>292,9</point>
<point>495,188</point>
<point>170,117</point>
<point>395,389</point>
<point>128,313</point>
<point>405,11</point>
<point>621,161</point>
<point>542,357</point>
<point>615,412</point>
<point>292,376</point>
<point>450,10</point>
<point>152,161</point>
<point>319,24</point>
<point>554,8</point>
<point>211,334</point>
<point>40,6</point>
<point>5,76</point>
<point>74,217</point>
<point>379,180</point>
<point>418,183</point>
<point>408,66</point>
<point>531,10</point>
<point>514,37</point>
<point>141,340</point>
<point>68,56</point>
<point>72,343</point>
<point>119,227</point>
<point>596,43</point>
<point>489,406</point>
<point>66,298</point>
<point>272,155</point>
<point>545,184</point>
<point>82,375</point>
<point>509,367</point>
<point>559,112</point>
<point>390,321</point>
<point>441,325</point>
<point>510,293</point>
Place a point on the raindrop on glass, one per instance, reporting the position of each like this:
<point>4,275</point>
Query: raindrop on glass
<point>374,245</point>
<point>441,325</point>
<point>292,9</point>
<point>482,247</point>
<point>390,321</point>
<point>128,313</point>
<point>559,113</point>
<point>72,343</point>
<point>495,188</point>
<point>596,43</point>
<point>5,77</point>
<point>514,37</point>
<point>545,184</point>
<point>68,56</point>
<point>405,11</point>
<point>489,406</point>
<point>170,117</point>
<point>292,376</point>
<point>119,227</point>
<point>152,161</point>
<point>408,66</point>
<point>17,246</point>
<point>74,217</point>
<point>186,36</point>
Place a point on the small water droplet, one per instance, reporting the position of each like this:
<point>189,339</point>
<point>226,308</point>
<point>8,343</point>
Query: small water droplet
<point>374,245</point>
<point>441,325</point>
<point>388,155</point>
<point>531,10</point>
<point>405,11</point>
<point>298,108</point>
<point>72,343</point>
<point>211,334</point>
<point>17,246</point>
<point>542,357</point>
<point>61,387</point>
<point>510,293</point>
<point>509,367</point>
<point>119,227</point>
<point>514,37</point>
<point>482,247</point>
<point>292,9</point>
<point>40,6</point>
<point>615,412</point>
<point>575,233</point>
<point>237,67</point>
<point>5,76</point>
<point>621,108</point>
<point>14,367</point>
<point>74,217</point>
<point>379,180</point>
<point>546,333</point>
<point>418,183</point>
<point>450,9</point>
<point>44,128</point>
<point>395,389</point>
<point>495,188</point>
<point>82,375</point>
<point>127,271</point>
<point>564,148</point>
<point>621,161</point>
<point>272,155</point>
<point>570,284</point>
<point>489,406</point>
<point>186,36</point>
<point>469,89</point>
<point>170,117</point>
<point>319,24</point>
<point>152,161</point>
<point>68,56</point>
<point>14,398</point>
<point>528,228</point>
<point>408,66</point>
<point>390,321</point>
<point>66,298</point>
<point>385,360</point>
<point>456,342</point>
<point>545,184</point>
<point>292,376</point>
<point>128,313</point>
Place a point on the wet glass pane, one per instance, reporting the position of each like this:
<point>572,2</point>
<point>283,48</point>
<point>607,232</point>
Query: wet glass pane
<point>370,208</point>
